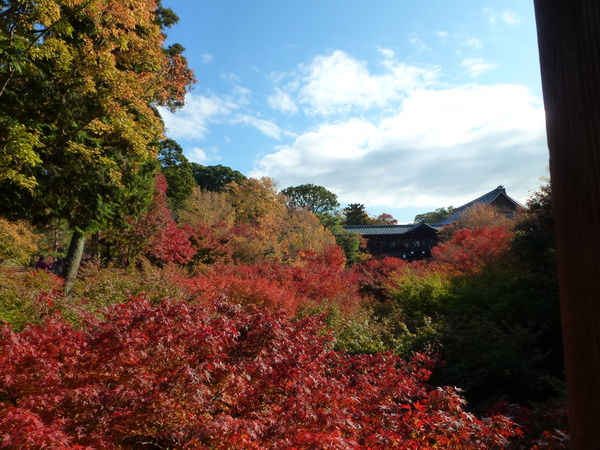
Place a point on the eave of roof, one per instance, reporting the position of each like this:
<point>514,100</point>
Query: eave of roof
<point>485,199</point>
<point>379,230</point>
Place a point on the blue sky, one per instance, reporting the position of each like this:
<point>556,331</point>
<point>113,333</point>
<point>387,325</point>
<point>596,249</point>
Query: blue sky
<point>404,106</point>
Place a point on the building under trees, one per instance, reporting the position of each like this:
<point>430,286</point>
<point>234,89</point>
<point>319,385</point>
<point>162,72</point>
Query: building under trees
<point>415,241</point>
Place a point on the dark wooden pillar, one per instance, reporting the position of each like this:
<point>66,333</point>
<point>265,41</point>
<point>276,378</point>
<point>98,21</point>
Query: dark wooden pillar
<point>569,47</point>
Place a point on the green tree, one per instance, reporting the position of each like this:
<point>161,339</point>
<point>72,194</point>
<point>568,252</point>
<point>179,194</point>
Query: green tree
<point>315,198</point>
<point>178,172</point>
<point>80,84</point>
<point>215,178</point>
<point>434,216</point>
<point>356,215</point>
<point>349,241</point>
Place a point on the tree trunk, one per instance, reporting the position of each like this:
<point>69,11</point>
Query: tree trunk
<point>569,47</point>
<point>73,260</point>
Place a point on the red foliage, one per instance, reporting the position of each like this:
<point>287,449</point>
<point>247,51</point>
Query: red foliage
<point>211,244</point>
<point>468,251</point>
<point>319,280</point>
<point>155,234</point>
<point>372,276</point>
<point>535,423</point>
<point>168,243</point>
<point>186,376</point>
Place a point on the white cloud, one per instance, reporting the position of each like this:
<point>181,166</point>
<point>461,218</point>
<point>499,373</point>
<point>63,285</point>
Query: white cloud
<point>416,41</point>
<point>387,53</point>
<point>268,128</point>
<point>472,138</point>
<point>206,58</point>
<point>510,18</point>
<point>282,101</point>
<point>197,155</point>
<point>477,66</point>
<point>474,43</point>
<point>338,83</point>
<point>192,121</point>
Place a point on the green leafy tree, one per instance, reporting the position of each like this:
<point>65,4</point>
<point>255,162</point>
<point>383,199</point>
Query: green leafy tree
<point>435,216</point>
<point>80,84</point>
<point>178,172</point>
<point>356,215</point>
<point>315,198</point>
<point>349,241</point>
<point>215,178</point>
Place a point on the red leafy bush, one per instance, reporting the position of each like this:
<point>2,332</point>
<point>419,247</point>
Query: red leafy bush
<point>317,280</point>
<point>155,235</point>
<point>186,376</point>
<point>468,250</point>
<point>373,275</point>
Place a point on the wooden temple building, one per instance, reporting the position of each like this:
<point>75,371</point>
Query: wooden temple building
<point>415,241</point>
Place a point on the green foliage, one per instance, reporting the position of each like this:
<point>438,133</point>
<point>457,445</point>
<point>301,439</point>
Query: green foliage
<point>178,172</point>
<point>17,154</point>
<point>215,178</point>
<point>435,216</point>
<point>315,198</point>
<point>98,287</point>
<point>534,240</point>
<point>501,338</point>
<point>415,311</point>
<point>361,334</point>
<point>80,83</point>
<point>155,235</point>
<point>355,214</point>
<point>28,296</point>
<point>349,241</point>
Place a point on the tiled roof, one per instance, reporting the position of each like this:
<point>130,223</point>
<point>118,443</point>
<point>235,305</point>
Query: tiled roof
<point>378,230</point>
<point>372,230</point>
<point>486,199</point>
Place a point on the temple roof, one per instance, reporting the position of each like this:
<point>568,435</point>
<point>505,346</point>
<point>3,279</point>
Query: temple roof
<point>487,199</point>
<point>372,230</point>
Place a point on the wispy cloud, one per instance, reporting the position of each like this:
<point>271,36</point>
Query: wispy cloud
<point>206,58</point>
<point>510,18</point>
<point>192,121</point>
<point>474,43</point>
<point>417,42</point>
<point>477,66</point>
<point>507,17</point>
<point>282,101</point>
<point>267,127</point>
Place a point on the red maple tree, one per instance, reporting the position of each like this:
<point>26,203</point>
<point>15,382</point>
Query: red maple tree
<point>178,375</point>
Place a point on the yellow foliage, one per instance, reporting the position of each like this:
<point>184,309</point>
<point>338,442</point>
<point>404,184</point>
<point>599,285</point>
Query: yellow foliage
<point>18,243</point>
<point>207,208</point>
<point>17,156</point>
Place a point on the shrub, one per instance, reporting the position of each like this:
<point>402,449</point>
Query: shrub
<point>28,296</point>
<point>176,375</point>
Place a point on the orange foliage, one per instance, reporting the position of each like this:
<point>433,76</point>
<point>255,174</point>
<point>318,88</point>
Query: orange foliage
<point>468,251</point>
<point>18,243</point>
<point>319,279</point>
